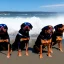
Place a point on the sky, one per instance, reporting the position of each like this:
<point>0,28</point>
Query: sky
<point>32,5</point>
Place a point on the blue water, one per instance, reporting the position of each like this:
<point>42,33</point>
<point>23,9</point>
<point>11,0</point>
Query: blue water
<point>27,14</point>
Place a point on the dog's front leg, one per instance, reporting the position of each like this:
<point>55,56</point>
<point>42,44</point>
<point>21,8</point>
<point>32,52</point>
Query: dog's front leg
<point>19,50</point>
<point>51,48</point>
<point>60,46</point>
<point>26,44</point>
<point>41,55</point>
<point>49,53</point>
<point>8,55</point>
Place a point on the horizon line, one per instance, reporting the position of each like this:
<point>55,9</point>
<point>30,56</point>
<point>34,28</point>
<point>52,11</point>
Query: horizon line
<point>30,11</point>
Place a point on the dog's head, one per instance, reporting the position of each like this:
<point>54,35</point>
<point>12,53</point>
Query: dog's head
<point>59,28</point>
<point>26,26</point>
<point>3,28</point>
<point>48,29</point>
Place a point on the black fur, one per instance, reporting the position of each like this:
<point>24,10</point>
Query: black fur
<point>57,32</point>
<point>3,36</point>
<point>22,33</point>
<point>43,35</point>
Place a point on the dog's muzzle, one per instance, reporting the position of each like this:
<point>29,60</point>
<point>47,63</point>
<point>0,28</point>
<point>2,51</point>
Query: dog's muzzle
<point>26,28</point>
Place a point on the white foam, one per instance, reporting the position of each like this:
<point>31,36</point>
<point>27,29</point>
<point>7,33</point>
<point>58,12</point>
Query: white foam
<point>38,23</point>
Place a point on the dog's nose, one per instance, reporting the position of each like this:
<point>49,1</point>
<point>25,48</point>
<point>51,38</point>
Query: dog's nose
<point>26,28</point>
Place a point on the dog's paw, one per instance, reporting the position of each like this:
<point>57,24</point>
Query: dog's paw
<point>27,54</point>
<point>51,51</point>
<point>49,55</point>
<point>19,55</point>
<point>61,50</point>
<point>8,56</point>
<point>41,56</point>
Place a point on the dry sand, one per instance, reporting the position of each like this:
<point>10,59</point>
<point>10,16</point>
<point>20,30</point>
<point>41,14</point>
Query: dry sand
<point>33,58</point>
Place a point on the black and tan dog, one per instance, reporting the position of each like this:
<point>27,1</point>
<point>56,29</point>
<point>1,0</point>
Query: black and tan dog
<point>44,39</point>
<point>4,39</point>
<point>22,38</point>
<point>57,36</point>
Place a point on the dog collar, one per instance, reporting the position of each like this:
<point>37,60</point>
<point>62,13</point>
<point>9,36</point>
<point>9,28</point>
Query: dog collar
<point>20,34</point>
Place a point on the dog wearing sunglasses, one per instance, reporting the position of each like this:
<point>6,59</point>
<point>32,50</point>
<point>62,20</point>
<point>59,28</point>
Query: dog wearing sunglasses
<point>22,38</point>
<point>4,39</point>
<point>44,39</point>
<point>57,36</point>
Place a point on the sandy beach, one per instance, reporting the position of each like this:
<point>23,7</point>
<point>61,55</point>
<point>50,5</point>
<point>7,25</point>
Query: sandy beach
<point>33,58</point>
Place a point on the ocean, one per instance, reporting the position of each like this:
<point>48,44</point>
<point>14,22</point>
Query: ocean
<point>38,19</point>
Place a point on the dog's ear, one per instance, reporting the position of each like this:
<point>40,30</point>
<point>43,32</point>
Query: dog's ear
<point>6,27</point>
<point>30,26</point>
<point>46,31</point>
<point>22,25</point>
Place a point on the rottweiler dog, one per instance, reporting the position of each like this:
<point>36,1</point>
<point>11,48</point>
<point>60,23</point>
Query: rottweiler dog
<point>57,36</point>
<point>44,39</point>
<point>4,39</point>
<point>22,38</point>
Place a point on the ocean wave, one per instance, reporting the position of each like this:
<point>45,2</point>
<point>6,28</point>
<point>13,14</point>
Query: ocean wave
<point>38,23</point>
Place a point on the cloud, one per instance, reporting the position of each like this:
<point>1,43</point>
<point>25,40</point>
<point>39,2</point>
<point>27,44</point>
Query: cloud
<point>55,5</point>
